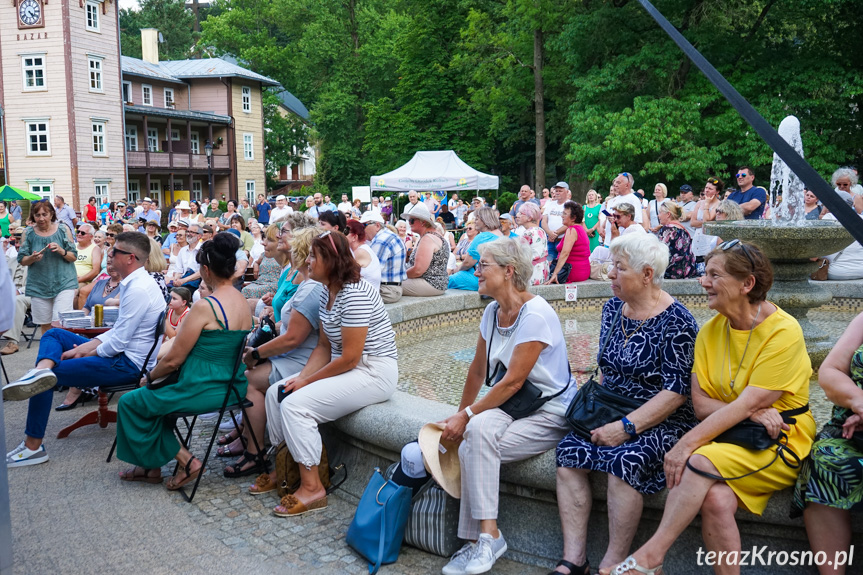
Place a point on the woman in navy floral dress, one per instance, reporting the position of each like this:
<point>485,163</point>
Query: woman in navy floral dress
<point>681,263</point>
<point>648,357</point>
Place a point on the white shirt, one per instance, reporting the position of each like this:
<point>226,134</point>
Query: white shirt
<point>633,229</point>
<point>630,199</point>
<point>688,208</point>
<point>187,259</point>
<point>554,211</point>
<point>345,207</point>
<point>374,208</point>
<point>7,297</point>
<point>409,207</point>
<point>141,302</point>
<point>372,272</point>
<point>278,213</point>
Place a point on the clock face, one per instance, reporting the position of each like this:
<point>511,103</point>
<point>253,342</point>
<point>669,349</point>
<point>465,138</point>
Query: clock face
<point>29,12</point>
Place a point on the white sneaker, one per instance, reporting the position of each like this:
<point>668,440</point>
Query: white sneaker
<point>488,550</point>
<point>27,457</point>
<point>228,424</point>
<point>20,447</point>
<point>33,383</point>
<point>209,417</point>
<point>460,560</point>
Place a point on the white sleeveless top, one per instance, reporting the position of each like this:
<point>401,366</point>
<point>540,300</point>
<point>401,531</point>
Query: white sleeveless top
<point>372,272</point>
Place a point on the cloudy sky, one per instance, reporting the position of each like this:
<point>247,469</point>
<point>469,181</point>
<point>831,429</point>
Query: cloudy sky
<point>127,4</point>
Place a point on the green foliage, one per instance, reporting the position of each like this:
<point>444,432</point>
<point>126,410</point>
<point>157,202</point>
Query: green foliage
<point>505,202</point>
<point>170,17</point>
<point>285,137</point>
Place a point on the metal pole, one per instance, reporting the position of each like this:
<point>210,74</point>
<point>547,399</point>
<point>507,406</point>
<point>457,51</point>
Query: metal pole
<point>209,149</point>
<point>3,150</point>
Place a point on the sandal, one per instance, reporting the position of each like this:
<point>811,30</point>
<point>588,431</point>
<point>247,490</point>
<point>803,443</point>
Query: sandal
<point>237,468</point>
<point>145,477</point>
<point>227,451</point>
<point>174,484</point>
<point>573,569</point>
<point>263,484</point>
<point>229,437</point>
<point>290,506</point>
<point>630,564</point>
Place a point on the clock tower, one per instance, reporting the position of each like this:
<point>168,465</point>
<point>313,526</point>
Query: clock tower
<point>60,92</point>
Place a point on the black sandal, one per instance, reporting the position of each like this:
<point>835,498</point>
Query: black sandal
<point>573,569</point>
<point>237,467</point>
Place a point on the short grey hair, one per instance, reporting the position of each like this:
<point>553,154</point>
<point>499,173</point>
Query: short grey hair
<point>197,227</point>
<point>642,251</point>
<point>844,173</point>
<point>732,210</point>
<point>87,228</point>
<point>510,252</point>
<point>488,217</point>
<point>299,220</point>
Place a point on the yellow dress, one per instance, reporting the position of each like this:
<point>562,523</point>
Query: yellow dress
<point>776,360</point>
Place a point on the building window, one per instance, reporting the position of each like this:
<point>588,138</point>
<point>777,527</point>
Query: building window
<point>131,138</point>
<point>134,191</point>
<point>100,190</point>
<point>152,140</point>
<point>37,138</point>
<point>197,190</point>
<point>178,184</point>
<point>155,189</point>
<point>127,92</point>
<point>175,134</point>
<point>195,143</point>
<point>147,94</point>
<point>247,99</point>
<point>98,130</point>
<point>44,190</point>
<point>95,74</point>
<point>250,191</point>
<point>169,97</point>
<point>248,147</point>
<point>33,68</point>
<point>92,16</point>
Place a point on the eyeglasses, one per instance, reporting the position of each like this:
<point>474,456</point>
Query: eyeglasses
<point>107,235</point>
<point>725,246</point>
<point>481,265</point>
<point>741,175</point>
<point>116,251</point>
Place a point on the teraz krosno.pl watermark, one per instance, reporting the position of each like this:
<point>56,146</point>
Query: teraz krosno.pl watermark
<point>764,557</point>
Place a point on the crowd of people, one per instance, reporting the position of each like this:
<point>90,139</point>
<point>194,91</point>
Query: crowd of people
<point>324,274</point>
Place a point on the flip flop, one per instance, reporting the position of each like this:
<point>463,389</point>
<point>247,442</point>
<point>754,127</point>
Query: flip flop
<point>293,507</point>
<point>130,475</point>
<point>173,484</point>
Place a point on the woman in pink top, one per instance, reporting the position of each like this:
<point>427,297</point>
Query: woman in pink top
<point>574,248</point>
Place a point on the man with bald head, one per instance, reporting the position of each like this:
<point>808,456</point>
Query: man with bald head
<point>623,194</point>
<point>524,195</point>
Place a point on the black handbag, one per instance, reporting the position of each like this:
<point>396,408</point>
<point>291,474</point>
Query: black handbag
<point>752,435</point>
<point>264,333</point>
<point>595,405</point>
<point>529,397</point>
<point>563,274</point>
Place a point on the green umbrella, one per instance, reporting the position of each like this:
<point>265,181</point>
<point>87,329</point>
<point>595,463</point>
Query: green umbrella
<point>9,193</point>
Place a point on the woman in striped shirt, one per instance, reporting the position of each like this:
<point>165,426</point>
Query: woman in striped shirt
<point>353,365</point>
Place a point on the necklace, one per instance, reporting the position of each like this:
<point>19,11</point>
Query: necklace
<point>727,354</point>
<point>109,288</point>
<point>638,327</point>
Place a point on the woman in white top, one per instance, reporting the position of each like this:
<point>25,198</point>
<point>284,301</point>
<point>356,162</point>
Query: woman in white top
<point>370,265</point>
<point>705,211</point>
<point>660,192</point>
<point>258,242</point>
<point>520,341</point>
<point>354,365</point>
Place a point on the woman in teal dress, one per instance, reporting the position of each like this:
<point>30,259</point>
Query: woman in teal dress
<point>488,226</point>
<point>591,217</point>
<point>205,351</point>
<point>830,485</point>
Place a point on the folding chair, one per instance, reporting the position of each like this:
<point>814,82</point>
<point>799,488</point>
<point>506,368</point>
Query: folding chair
<point>232,402</point>
<point>103,416</point>
<point>31,337</point>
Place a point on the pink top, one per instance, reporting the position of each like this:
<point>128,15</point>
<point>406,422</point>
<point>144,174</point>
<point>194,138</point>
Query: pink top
<point>578,255</point>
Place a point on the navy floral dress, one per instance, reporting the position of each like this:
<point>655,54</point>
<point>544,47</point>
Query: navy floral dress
<point>657,356</point>
<point>681,261</point>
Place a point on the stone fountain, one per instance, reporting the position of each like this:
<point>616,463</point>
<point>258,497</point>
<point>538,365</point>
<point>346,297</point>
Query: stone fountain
<point>790,243</point>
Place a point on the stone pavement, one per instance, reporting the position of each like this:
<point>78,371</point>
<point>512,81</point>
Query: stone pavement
<point>73,515</point>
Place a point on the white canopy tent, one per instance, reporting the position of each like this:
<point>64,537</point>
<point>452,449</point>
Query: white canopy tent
<point>437,171</point>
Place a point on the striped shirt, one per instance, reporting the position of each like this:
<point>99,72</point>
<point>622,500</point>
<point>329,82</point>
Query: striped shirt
<point>358,305</point>
<point>391,253</point>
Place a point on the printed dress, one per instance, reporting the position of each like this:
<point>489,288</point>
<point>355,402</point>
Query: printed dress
<point>681,261</point>
<point>537,241</point>
<point>832,475</point>
<point>658,356</point>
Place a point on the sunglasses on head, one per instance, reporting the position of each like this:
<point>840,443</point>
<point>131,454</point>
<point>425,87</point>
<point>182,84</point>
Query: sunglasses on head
<point>624,174</point>
<point>329,233</point>
<point>725,246</point>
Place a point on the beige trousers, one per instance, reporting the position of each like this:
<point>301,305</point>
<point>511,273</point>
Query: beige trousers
<point>391,294</point>
<point>419,287</point>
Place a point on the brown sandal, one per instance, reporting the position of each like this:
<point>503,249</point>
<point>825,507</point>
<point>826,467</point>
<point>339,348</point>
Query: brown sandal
<point>145,477</point>
<point>263,484</point>
<point>173,484</point>
<point>290,506</point>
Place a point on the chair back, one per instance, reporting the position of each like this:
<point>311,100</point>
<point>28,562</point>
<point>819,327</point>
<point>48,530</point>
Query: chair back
<point>157,336</point>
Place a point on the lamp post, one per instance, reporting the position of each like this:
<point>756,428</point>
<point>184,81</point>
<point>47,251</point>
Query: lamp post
<point>208,149</point>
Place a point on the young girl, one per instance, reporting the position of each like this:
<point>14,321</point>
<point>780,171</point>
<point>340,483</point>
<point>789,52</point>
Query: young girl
<point>178,307</point>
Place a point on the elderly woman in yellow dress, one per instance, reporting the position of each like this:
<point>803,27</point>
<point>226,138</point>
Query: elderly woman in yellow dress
<point>750,364</point>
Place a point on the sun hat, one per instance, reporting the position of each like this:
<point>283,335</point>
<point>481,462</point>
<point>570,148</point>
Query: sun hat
<point>183,222</point>
<point>441,458</point>
<point>371,216</point>
<point>184,205</point>
<point>419,211</point>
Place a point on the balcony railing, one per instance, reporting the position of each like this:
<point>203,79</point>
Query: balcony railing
<point>175,160</point>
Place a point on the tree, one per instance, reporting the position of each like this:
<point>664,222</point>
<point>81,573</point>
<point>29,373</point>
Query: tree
<point>286,137</point>
<point>170,17</point>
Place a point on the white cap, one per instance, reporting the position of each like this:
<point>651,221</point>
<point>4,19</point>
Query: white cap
<point>371,216</point>
<point>412,461</point>
<point>147,200</point>
<point>280,197</point>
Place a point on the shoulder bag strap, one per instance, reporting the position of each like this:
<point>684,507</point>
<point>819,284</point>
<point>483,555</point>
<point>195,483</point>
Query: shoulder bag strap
<point>607,337</point>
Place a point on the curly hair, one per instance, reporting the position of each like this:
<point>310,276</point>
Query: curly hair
<point>334,253</point>
<point>299,220</point>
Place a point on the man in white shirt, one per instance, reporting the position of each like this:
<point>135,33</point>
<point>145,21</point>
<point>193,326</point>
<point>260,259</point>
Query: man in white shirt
<point>622,187</point>
<point>413,201</point>
<point>65,213</point>
<point>687,203</point>
<point>552,217</point>
<point>189,273</point>
<point>623,221</point>
<point>375,206</point>
<point>452,203</point>
<point>115,357</point>
<point>345,205</point>
<point>281,210</point>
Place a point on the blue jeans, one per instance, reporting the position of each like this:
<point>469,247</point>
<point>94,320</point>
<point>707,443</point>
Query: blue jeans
<point>552,251</point>
<point>91,371</point>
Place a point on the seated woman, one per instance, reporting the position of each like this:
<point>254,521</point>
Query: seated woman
<point>520,339</point>
<point>285,355</point>
<point>407,238</point>
<point>370,265</point>
<point>647,341</point>
<point>828,488</point>
<point>681,260</point>
<point>269,268</point>
<point>464,242</point>
<point>354,365</point>
<point>770,373</point>
<point>533,235</point>
<point>178,308</point>
<point>205,352</point>
<point>258,238</point>
<point>574,248</point>
<point>156,265</point>
<point>246,239</point>
<point>428,260</point>
<point>488,226</point>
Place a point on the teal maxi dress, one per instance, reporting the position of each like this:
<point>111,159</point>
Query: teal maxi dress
<point>144,437</point>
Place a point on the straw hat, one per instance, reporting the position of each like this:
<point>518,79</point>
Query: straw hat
<point>441,458</point>
<point>184,205</point>
<point>419,211</point>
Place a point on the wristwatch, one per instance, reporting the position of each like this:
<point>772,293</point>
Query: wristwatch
<point>629,427</point>
<point>255,355</point>
<point>469,413</point>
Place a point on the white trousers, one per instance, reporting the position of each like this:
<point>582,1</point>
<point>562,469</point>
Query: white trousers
<point>296,419</point>
<point>491,438</point>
